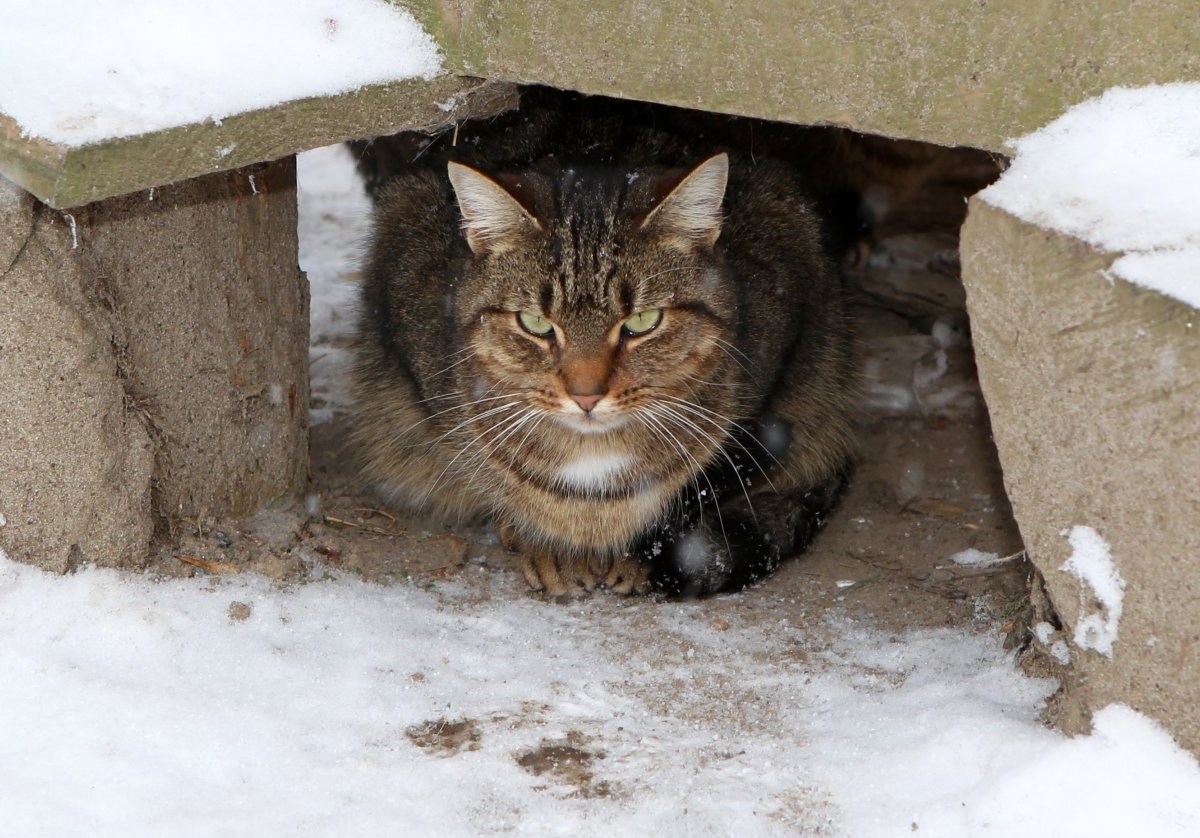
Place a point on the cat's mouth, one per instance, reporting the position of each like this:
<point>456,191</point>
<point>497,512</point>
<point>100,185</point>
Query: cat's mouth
<point>592,422</point>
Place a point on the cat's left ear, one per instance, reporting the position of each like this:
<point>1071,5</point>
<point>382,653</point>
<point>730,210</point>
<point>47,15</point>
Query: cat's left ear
<point>692,210</point>
<point>493,219</point>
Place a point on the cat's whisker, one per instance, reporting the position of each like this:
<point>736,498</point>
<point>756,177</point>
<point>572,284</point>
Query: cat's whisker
<point>451,409</point>
<point>702,435</point>
<point>476,439</point>
<point>464,405</point>
<point>720,420</point>
<point>698,380</point>
<point>650,415</point>
<point>473,419</point>
<point>453,395</point>
<point>661,432</point>
<point>728,348</point>
<point>533,418</point>
<point>542,415</point>
<point>452,366</point>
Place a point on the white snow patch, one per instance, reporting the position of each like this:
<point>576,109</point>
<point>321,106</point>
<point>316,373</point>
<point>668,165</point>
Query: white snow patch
<point>1092,564</point>
<point>903,751</point>
<point>695,552</point>
<point>976,558</point>
<point>131,705</point>
<point>1106,784</point>
<point>1045,633</point>
<point>1121,172</point>
<point>77,72</point>
<point>333,216</point>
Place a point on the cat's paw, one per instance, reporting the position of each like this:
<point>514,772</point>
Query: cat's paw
<point>627,575</point>
<point>558,577</point>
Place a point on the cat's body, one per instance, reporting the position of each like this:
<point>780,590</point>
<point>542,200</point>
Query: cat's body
<point>577,341</point>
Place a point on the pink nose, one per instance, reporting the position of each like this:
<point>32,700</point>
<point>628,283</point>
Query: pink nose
<point>586,402</point>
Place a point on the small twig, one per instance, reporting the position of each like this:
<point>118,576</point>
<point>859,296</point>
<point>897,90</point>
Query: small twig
<point>218,568</point>
<point>342,522</point>
<point>373,511</point>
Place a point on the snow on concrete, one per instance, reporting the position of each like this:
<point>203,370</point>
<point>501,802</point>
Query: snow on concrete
<point>1101,590</point>
<point>1046,635</point>
<point>1121,172</point>
<point>80,71</point>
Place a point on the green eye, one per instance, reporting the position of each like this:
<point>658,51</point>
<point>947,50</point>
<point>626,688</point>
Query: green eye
<point>643,321</point>
<point>535,324</point>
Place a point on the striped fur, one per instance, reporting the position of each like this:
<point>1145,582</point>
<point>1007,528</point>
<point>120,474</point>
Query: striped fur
<point>738,400</point>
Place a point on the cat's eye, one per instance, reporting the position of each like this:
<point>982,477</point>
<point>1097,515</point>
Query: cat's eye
<point>535,324</point>
<point>643,321</point>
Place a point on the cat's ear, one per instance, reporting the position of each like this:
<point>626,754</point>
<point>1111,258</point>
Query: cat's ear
<point>493,220</point>
<point>692,210</point>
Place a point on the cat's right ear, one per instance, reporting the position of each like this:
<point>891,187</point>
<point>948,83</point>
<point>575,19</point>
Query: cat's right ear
<point>493,220</point>
<point>691,212</point>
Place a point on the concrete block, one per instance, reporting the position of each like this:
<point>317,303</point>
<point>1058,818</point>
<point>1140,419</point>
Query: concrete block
<point>154,350</point>
<point>1093,385</point>
<point>76,457</point>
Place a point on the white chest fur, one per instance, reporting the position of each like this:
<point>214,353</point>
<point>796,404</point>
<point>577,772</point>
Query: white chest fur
<point>594,471</point>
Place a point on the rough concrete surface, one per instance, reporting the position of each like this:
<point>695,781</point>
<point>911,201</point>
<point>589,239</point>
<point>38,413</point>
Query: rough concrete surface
<point>954,72</point>
<point>1093,386</point>
<point>212,313</point>
<point>65,176</point>
<point>75,459</point>
<point>154,351</point>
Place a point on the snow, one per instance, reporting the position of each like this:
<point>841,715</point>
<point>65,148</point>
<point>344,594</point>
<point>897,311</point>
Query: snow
<point>977,558</point>
<point>1121,172</point>
<point>1101,590</point>
<point>334,213</point>
<point>235,705</point>
<point>78,72</point>
<point>1046,635</point>
<point>133,706</point>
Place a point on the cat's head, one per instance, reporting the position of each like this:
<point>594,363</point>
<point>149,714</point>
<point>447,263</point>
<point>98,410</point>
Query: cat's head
<point>598,298</point>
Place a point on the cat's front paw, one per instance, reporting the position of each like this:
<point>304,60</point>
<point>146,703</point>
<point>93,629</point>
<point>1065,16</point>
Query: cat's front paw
<point>559,577</point>
<point>628,575</point>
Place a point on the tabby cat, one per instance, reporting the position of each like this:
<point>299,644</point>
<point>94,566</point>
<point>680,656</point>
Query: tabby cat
<point>630,350</point>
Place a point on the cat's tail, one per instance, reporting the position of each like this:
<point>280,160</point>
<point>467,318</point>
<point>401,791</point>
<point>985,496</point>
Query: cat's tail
<point>734,548</point>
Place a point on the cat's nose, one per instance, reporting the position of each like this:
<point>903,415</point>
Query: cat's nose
<point>586,402</point>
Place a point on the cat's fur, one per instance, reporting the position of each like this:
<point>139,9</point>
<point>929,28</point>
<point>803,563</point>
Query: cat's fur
<point>690,459</point>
